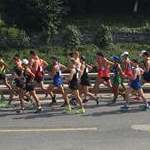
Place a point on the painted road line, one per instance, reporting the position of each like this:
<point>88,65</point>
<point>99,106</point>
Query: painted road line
<point>141,127</point>
<point>47,130</point>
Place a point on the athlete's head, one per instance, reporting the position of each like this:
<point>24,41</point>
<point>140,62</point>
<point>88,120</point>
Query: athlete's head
<point>99,56</point>
<point>145,54</point>
<point>76,54</point>
<point>115,58</point>
<point>54,59</point>
<point>72,63</point>
<point>25,62</point>
<point>135,62</point>
<point>33,54</point>
<point>125,55</point>
<point>16,60</point>
<point>71,55</point>
<point>83,59</point>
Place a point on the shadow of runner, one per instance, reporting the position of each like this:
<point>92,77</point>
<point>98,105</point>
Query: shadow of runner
<point>114,112</point>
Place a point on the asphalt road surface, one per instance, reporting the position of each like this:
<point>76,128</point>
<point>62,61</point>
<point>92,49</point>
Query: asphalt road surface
<point>100,128</point>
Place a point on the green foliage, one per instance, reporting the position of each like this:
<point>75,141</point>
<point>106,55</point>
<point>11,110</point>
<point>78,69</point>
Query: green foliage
<point>52,19</point>
<point>34,15</point>
<point>103,36</point>
<point>13,37</point>
<point>72,37</point>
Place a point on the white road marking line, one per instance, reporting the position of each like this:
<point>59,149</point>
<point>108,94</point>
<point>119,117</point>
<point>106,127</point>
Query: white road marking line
<point>47,130</point>
<point>141,127</point>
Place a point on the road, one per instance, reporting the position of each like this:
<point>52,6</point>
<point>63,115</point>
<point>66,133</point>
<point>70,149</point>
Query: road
<point>100,128</point>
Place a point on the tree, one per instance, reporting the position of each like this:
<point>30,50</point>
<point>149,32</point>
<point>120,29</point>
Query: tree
<point>33,15</point>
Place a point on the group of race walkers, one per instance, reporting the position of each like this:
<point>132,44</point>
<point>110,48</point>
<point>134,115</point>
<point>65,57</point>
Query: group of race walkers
<point>26,74</point>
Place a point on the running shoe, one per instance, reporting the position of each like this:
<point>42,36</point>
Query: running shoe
<point>20,111</point>
<point>124,108</point>
<point>38,111</point>
<point>3,98</point>
<point>73,101</point>
<point>53,103</point>
<point>137,98</point>
<point>85,101</point>
<point>32,104</point>
<point>111,102</point>
<point>67,109</point>
<point>63,105</point>
<point>97,101</point>
<point>145,107</point>
<point>4,105</point>
<point>80,111</point>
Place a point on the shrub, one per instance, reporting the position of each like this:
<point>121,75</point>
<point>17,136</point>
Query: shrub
<point>103,36</point>
<point>72,37</point>
<point>13,37</point>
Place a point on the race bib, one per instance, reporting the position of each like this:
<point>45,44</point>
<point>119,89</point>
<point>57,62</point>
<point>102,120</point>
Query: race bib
<point>41,69</point>
<point>87,70</point>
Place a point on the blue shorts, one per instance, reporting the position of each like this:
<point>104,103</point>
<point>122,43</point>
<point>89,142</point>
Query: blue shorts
<point>136,86</point>
<point>57,82</point>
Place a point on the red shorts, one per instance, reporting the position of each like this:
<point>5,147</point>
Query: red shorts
<point>128,72</point>
<point>103,73</point>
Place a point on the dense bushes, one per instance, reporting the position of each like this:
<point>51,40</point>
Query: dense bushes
<point>13,37</point>
<point>103,36</point>
<point>72,37</point>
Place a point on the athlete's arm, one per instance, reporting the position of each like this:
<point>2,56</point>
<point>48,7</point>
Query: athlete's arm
<point>29,72</point>
<point>55,70</point>
<point>71,74</point>
<point>90,67</point>
<point>134,74</point>
<point>63,67</point>
<point>147,67</point>
<point>4,63</point>
<point>82,70</point>
<point>45,64</point>
<point>109,62</point>
<point>120,70</point>
<point>31,63</point>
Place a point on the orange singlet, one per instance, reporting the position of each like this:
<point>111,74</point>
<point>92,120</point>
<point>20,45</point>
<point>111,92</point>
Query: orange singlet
<point>128,68</point>
<point>103,71</point>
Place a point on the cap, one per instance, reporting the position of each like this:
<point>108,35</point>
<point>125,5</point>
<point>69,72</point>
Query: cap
<point>146,53</point>
<point>124,53</point>
<point>115,57</point>
<point>25,62</point>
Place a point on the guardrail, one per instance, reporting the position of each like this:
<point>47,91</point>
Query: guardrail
<point>48,80</point>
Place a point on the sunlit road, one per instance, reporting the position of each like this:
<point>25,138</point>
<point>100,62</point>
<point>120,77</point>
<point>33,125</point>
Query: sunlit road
<point>100,128</point>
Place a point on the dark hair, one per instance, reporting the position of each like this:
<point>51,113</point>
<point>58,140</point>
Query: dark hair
<point>16,57</point>
<point>54,58</point>
<point>71,54</point>
<point>72,60</point>
<point>33,53</point>
<point>83,58</point>
<point>100,54</point>
<point>146,54</point>
<point>135,61</point>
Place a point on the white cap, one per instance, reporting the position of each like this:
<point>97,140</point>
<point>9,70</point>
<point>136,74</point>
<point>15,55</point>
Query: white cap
<point>124,53</point>
<point>142,52</point>
<point>25,62</point>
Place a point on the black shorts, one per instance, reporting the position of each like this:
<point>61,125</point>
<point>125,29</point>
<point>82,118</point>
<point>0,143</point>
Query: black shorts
<point>105,78</point>
<point>2,76</point>
<point>85,83</point>
<point>19,83</point>
<point>73,88</point>
<point>29,87</point>
<point>38,79</point>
